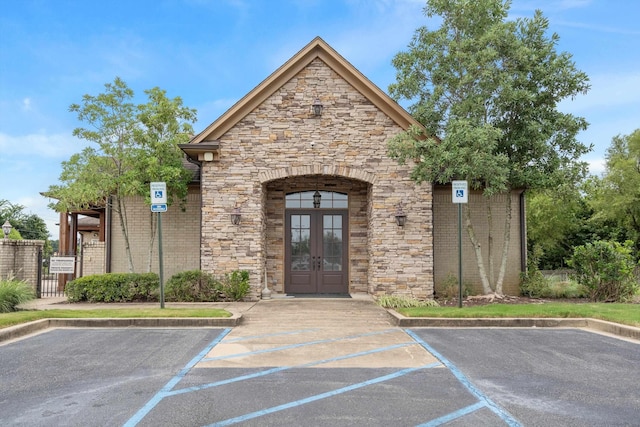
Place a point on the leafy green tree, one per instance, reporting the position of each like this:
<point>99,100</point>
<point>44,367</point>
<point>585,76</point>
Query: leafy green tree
<point>132,146</point>
<point>615,197</point>
<point>27,226</point>
<point>489,88</point>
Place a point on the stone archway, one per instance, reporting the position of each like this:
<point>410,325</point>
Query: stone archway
<point>356,215</point>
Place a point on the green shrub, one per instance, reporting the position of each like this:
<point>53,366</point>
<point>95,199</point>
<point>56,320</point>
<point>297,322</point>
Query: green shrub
<point>395,301</point>
<point>450,289</point>
<point>533,284</point>
<point>114,287</point>
<point>235,286</point>
<point>605,269</point>
<point>193,286</point>
<point>13,293</point>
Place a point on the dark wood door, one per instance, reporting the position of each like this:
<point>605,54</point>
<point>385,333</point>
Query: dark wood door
<point>316,252</point>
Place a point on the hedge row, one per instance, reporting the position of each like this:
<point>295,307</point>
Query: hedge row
<point>187,286</point>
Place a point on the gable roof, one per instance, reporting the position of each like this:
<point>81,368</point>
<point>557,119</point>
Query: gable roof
<point>317,48</point>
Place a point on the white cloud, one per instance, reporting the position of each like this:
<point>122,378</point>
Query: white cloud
<point>26,104</point>
<point>55,146</point>
<point>38,206</point>
<point>596,166</point>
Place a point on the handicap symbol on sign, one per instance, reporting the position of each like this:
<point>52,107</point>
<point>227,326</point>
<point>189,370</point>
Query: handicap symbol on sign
<point>158,194</point>
<point>460,193</point>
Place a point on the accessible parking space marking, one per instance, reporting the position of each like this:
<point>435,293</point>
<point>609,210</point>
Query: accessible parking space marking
<point>484,401</point>
<point>205,359</point>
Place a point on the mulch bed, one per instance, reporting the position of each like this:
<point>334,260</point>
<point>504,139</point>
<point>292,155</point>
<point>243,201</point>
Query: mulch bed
<point>479,300</point>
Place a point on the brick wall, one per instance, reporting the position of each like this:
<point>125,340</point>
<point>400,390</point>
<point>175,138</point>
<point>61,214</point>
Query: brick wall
<point>446,239</point>
<point>273,142</point>
<point>93,258</point>
<point>180,237</point>
<point>19,260</point>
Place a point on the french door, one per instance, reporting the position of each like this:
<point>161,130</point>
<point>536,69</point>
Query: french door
<point>316,255</point>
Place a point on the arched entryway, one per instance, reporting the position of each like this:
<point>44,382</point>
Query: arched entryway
<point>316,248</point>
<point>316,242</point>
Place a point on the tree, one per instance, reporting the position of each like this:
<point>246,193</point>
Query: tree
<point>489,88</point>
<point>616,196</point>
<point>558,219</point>
<point>25,226</point>
<point>133,145</point>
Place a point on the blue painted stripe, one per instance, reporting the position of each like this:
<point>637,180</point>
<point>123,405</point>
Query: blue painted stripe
<point>253,337</point>
<point>142,412</point>
<point>310,399</point>
<point>454,415</point>
<point>290,346</point>
<point>502,413</point>
<point>284,368</point>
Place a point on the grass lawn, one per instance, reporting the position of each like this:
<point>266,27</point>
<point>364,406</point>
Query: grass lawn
<point>14,318</point>
<point>627,314</point>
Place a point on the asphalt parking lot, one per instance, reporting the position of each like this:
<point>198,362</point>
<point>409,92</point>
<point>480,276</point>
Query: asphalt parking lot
<point>179,377</point>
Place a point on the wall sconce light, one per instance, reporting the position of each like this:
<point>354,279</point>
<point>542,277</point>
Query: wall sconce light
<point>316,199</point>
<point>6,228</point>
<point>235,216</point>
<point>401,217</point>
<point>317,107</point>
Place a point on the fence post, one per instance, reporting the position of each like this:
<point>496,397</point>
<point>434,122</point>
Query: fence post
<point>39,278</point>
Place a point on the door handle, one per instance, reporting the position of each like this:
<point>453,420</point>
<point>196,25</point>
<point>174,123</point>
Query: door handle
<point>319,263</point>
<point>313,263</point>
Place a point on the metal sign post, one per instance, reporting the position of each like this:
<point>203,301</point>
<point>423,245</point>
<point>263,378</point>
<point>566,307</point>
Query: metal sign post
<point>459,195</point>
<point>159,205</point>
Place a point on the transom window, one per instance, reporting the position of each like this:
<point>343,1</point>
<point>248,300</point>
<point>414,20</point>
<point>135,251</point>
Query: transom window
<point>328,200</point>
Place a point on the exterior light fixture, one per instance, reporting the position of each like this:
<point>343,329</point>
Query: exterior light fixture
<point>316,199</point>
<point>6,229</point>
<point>235,216</point>
<point>401,217</point>
<point>317,107</point>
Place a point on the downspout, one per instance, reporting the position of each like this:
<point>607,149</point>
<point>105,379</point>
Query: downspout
<point>107,237</point>
<point>523,233</point>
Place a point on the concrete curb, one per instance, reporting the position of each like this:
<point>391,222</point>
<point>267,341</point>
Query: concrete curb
<point>17,331</point>
<point>441,322</point>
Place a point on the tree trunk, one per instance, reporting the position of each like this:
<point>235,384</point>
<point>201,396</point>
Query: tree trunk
<point>490,242</point>
<point>152,232</point>
<point>506,242</point>
<point>122,214</point>
<point>486,286</point>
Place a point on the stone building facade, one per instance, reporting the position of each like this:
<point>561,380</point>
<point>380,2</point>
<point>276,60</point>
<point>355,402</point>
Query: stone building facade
<point>271,146</point>
<point>259,167</point>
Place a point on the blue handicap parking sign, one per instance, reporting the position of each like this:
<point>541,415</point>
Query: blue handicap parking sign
<point>158,194</point>
<point>459,193</point>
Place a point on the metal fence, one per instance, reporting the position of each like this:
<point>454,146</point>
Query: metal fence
<point>47,283</point>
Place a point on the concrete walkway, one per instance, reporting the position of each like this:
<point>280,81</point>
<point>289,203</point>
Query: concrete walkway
<point>317,332</point>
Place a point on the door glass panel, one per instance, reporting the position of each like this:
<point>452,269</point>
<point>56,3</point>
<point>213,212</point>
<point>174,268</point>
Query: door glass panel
<point>328,200</point>
<point>332,243</point>
<point>340,201</point>
<point>300,238</point>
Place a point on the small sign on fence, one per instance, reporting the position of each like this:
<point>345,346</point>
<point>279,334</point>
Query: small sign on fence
<point>62,264</point>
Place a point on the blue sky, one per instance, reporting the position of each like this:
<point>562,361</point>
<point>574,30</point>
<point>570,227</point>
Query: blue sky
<point>212,52</point>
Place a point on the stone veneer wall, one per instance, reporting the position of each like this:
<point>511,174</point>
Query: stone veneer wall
<point>273,142</point>
<point>19,260</point>
<point>446,239</point>
<point>180,237</point>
